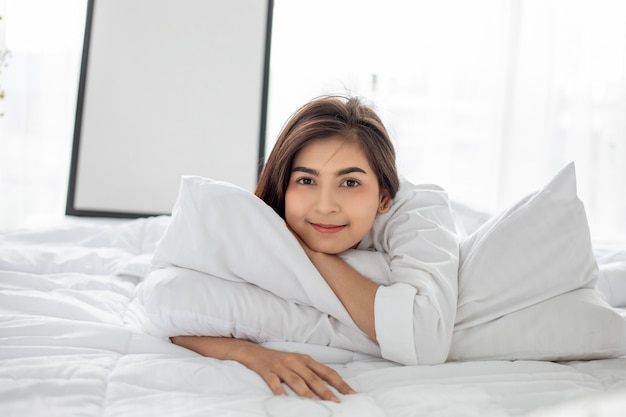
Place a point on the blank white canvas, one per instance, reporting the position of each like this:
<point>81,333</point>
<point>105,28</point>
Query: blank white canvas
<point>173,87</point>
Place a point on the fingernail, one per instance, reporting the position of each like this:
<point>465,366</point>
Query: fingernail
<point>335,400</point>
<point>351,391</point>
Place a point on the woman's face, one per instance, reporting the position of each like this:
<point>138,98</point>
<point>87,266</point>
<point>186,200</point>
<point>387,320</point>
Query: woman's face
<point>333,195</point>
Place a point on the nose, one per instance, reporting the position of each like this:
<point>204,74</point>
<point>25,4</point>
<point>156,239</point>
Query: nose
<point>327,201</point>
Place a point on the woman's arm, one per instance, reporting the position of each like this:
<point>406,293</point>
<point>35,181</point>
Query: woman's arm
<point>356,292</point>
<point>301,373</point>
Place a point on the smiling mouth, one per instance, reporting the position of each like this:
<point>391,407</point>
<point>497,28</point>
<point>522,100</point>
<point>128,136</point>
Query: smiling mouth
<point>328,228</point>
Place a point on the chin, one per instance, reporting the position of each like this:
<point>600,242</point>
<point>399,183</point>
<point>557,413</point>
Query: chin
<point>330,252</point>
<point>327,249</point>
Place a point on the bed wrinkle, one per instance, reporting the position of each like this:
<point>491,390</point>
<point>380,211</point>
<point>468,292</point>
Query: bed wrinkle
<point>84,306</point>
<point>495,381</point>
<point>103,249</point>
<point>611,373</point>
<point>107,384</point>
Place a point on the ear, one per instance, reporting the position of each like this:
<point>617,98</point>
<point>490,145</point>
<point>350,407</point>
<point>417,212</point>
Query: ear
<point>385,202</point>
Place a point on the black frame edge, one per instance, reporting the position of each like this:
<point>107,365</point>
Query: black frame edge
<point>265,92</point>
<point>71,189</point>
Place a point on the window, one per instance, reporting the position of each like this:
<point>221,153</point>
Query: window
<point>40,83</point>
<point>487,98</point>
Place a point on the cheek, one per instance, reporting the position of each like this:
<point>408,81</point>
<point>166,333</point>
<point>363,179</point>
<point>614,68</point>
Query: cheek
<point>369,211</point>
<point>367,204</point>
<point>368,216</point>
<point>293,203</point>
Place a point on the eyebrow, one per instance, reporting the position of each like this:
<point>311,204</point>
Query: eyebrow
<point>341,172</point>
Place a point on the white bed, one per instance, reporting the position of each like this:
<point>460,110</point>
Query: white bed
<point>72,343</point>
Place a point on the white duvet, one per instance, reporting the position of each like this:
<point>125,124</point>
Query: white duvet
<point>70,345</point>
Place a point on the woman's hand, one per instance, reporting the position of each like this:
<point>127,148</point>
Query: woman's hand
<point>305,376</point>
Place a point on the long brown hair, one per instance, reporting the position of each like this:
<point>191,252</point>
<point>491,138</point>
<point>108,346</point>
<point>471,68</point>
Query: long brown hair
<point>322,118</point>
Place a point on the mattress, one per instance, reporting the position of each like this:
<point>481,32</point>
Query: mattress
<point>72,343</point>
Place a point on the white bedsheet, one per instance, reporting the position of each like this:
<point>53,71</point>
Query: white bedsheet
<point>70,344</point>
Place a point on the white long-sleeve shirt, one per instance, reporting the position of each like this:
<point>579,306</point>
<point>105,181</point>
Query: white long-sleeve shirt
<point>415,311</point>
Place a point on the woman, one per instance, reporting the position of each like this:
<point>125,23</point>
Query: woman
<point>332,177</point>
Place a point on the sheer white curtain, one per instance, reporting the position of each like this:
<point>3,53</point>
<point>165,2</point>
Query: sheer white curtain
<point>40,82</point>
<point>488,98</point>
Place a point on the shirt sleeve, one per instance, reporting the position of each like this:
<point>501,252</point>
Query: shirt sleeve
<point>415,312</point>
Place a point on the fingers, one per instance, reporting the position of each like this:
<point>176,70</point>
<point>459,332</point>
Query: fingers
<point>305,376</point>
<point>275,384</point>
<point>309,378</point>
<point>332,377</point>
<point>309,384</point>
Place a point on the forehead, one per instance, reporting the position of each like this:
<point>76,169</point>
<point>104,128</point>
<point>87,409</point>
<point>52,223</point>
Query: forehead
<point>332,151</point>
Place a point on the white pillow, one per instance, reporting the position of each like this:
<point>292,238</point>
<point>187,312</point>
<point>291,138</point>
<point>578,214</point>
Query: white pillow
<point>227,232</point>
<point>578,325</point>
<point>180,301</point>
<point>227,265</point>
<point>527,285</point>
<point>536,250</point>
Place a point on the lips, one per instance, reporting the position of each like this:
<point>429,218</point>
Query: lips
<point>328,228</point>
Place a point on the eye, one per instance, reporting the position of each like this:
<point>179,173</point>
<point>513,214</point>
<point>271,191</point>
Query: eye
<point>305,181</point>
<point>350,183</point>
